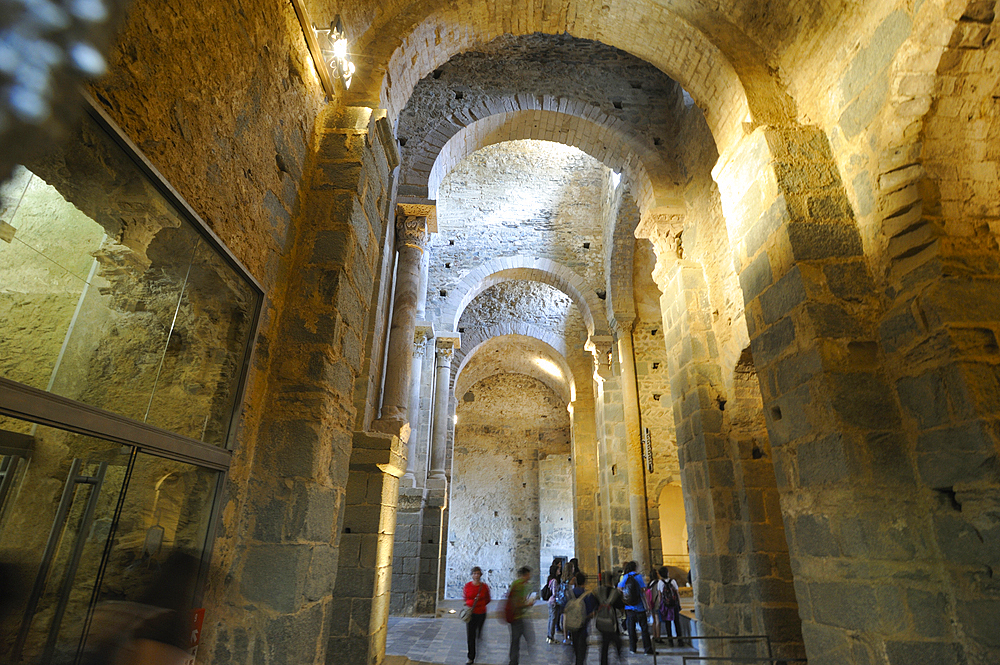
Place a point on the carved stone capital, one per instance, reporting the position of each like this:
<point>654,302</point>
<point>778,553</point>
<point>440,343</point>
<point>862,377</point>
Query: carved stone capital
<point>622,326</point>
<point>446,353</point>
<point>421,333</point>
<point>411,232</point>
<point>601,346</point>
<point>664,231</point>
<point>446,345</point>
<point>657,225</point>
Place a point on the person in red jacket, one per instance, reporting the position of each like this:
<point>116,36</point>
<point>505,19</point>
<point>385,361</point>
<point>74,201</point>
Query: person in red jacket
<point>477,596</point>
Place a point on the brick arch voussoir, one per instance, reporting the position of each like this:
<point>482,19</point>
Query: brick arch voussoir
<point>597,134</point>
<point>620,294</point>
<point>480,336</point>
<point>531,269</point>
<point>549,345</point>
<point>902,151</point>
<point>655,34</point>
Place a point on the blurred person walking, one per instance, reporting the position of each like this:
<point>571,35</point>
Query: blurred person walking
<point>610,607</point>
<point>518,602</point>
<point>477,597</point>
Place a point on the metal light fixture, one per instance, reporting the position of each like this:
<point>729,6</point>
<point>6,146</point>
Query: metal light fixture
<point>334,49</point>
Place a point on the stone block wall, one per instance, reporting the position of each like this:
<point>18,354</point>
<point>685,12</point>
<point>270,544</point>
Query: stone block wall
<point>613,474</point>
<point>541,205</point>
<point>406,552</point>
<point>831,398</point>
<point>584,452</point>
<point>310,414</point>
<point>555,510</point>
<point>360,608</point>
<point>656,409</point>
<point>502,438</point>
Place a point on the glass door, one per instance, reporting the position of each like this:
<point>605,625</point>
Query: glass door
<point>85,522</point>
<point>62,492</point>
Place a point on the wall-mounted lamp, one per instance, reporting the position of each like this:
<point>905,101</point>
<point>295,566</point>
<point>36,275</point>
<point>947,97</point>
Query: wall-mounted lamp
<point>333,44</point>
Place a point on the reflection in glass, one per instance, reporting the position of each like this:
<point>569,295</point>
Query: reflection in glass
<point>56,522</point>
<point>110,297</point>
<point>54,525</point>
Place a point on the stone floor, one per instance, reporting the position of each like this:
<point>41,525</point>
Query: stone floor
<point>442,641</point>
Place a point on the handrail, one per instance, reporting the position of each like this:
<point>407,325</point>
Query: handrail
<point>746,659</point>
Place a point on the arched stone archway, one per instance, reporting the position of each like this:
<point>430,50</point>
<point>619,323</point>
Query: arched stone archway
<point>695,59</point>
<point>539,120</point>
<point>525,268</point>
<point>516,353</point>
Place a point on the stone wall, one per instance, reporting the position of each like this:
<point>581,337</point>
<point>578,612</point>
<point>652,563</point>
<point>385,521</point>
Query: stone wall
<point>530,198</point>
<point>555,509</point>
<point>503,439</point>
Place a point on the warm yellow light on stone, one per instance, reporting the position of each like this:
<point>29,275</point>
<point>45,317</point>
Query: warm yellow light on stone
<point>549,367</point>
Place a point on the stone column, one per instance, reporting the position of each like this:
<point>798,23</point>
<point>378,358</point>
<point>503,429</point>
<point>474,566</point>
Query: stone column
<point>411,240</point>
<point>360,606</point>
<point>439,438</point>
<point>422,333</point>
<point>636,472</point>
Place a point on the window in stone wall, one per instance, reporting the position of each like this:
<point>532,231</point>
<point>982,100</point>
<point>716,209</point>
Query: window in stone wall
<point>125,331</point>
<point>111,295</point>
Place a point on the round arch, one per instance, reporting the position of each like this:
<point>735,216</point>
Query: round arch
<point>534,357</point>
<point>598,136</point>
<point>683,41</point>
<point>528,268</point>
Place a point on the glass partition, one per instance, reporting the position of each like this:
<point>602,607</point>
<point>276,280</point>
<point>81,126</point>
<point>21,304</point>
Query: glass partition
<point>111,296</point>
<point>91,521</point>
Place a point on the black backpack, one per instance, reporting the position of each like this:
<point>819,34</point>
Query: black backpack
<point>632,592</point>
<point>669,598</point>
<point>547,590</point>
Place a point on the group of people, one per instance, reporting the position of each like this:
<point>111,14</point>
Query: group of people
<point>572,607</point>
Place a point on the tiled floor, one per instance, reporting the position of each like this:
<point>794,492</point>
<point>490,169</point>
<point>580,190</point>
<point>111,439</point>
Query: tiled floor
<point>443,641</point>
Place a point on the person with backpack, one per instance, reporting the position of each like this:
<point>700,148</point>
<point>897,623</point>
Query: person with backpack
<point>562,596</point>
<point>515,611</point>
<point>610,606</point>
<point>581,606</point>
<point>632,587</point>
<point>669,607</point>
<point>549,595</point>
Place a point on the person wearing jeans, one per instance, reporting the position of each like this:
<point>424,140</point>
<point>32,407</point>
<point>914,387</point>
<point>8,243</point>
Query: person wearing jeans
<point>633,587</point>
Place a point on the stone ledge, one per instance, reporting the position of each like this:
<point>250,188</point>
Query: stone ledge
<point>385,451</point>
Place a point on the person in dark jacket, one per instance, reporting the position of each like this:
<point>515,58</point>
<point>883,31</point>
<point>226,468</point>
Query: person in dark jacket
<point>555,609</point>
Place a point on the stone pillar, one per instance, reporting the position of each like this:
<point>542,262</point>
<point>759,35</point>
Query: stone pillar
<point>858,524</point>
<point>584,452</point>
<point>439,438</point>
<point>636,470</point>
<point>411,240</point>
<point>360,608</point>
<point>431,542</point>
<point>422,333</point>
<point>613,537</point>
